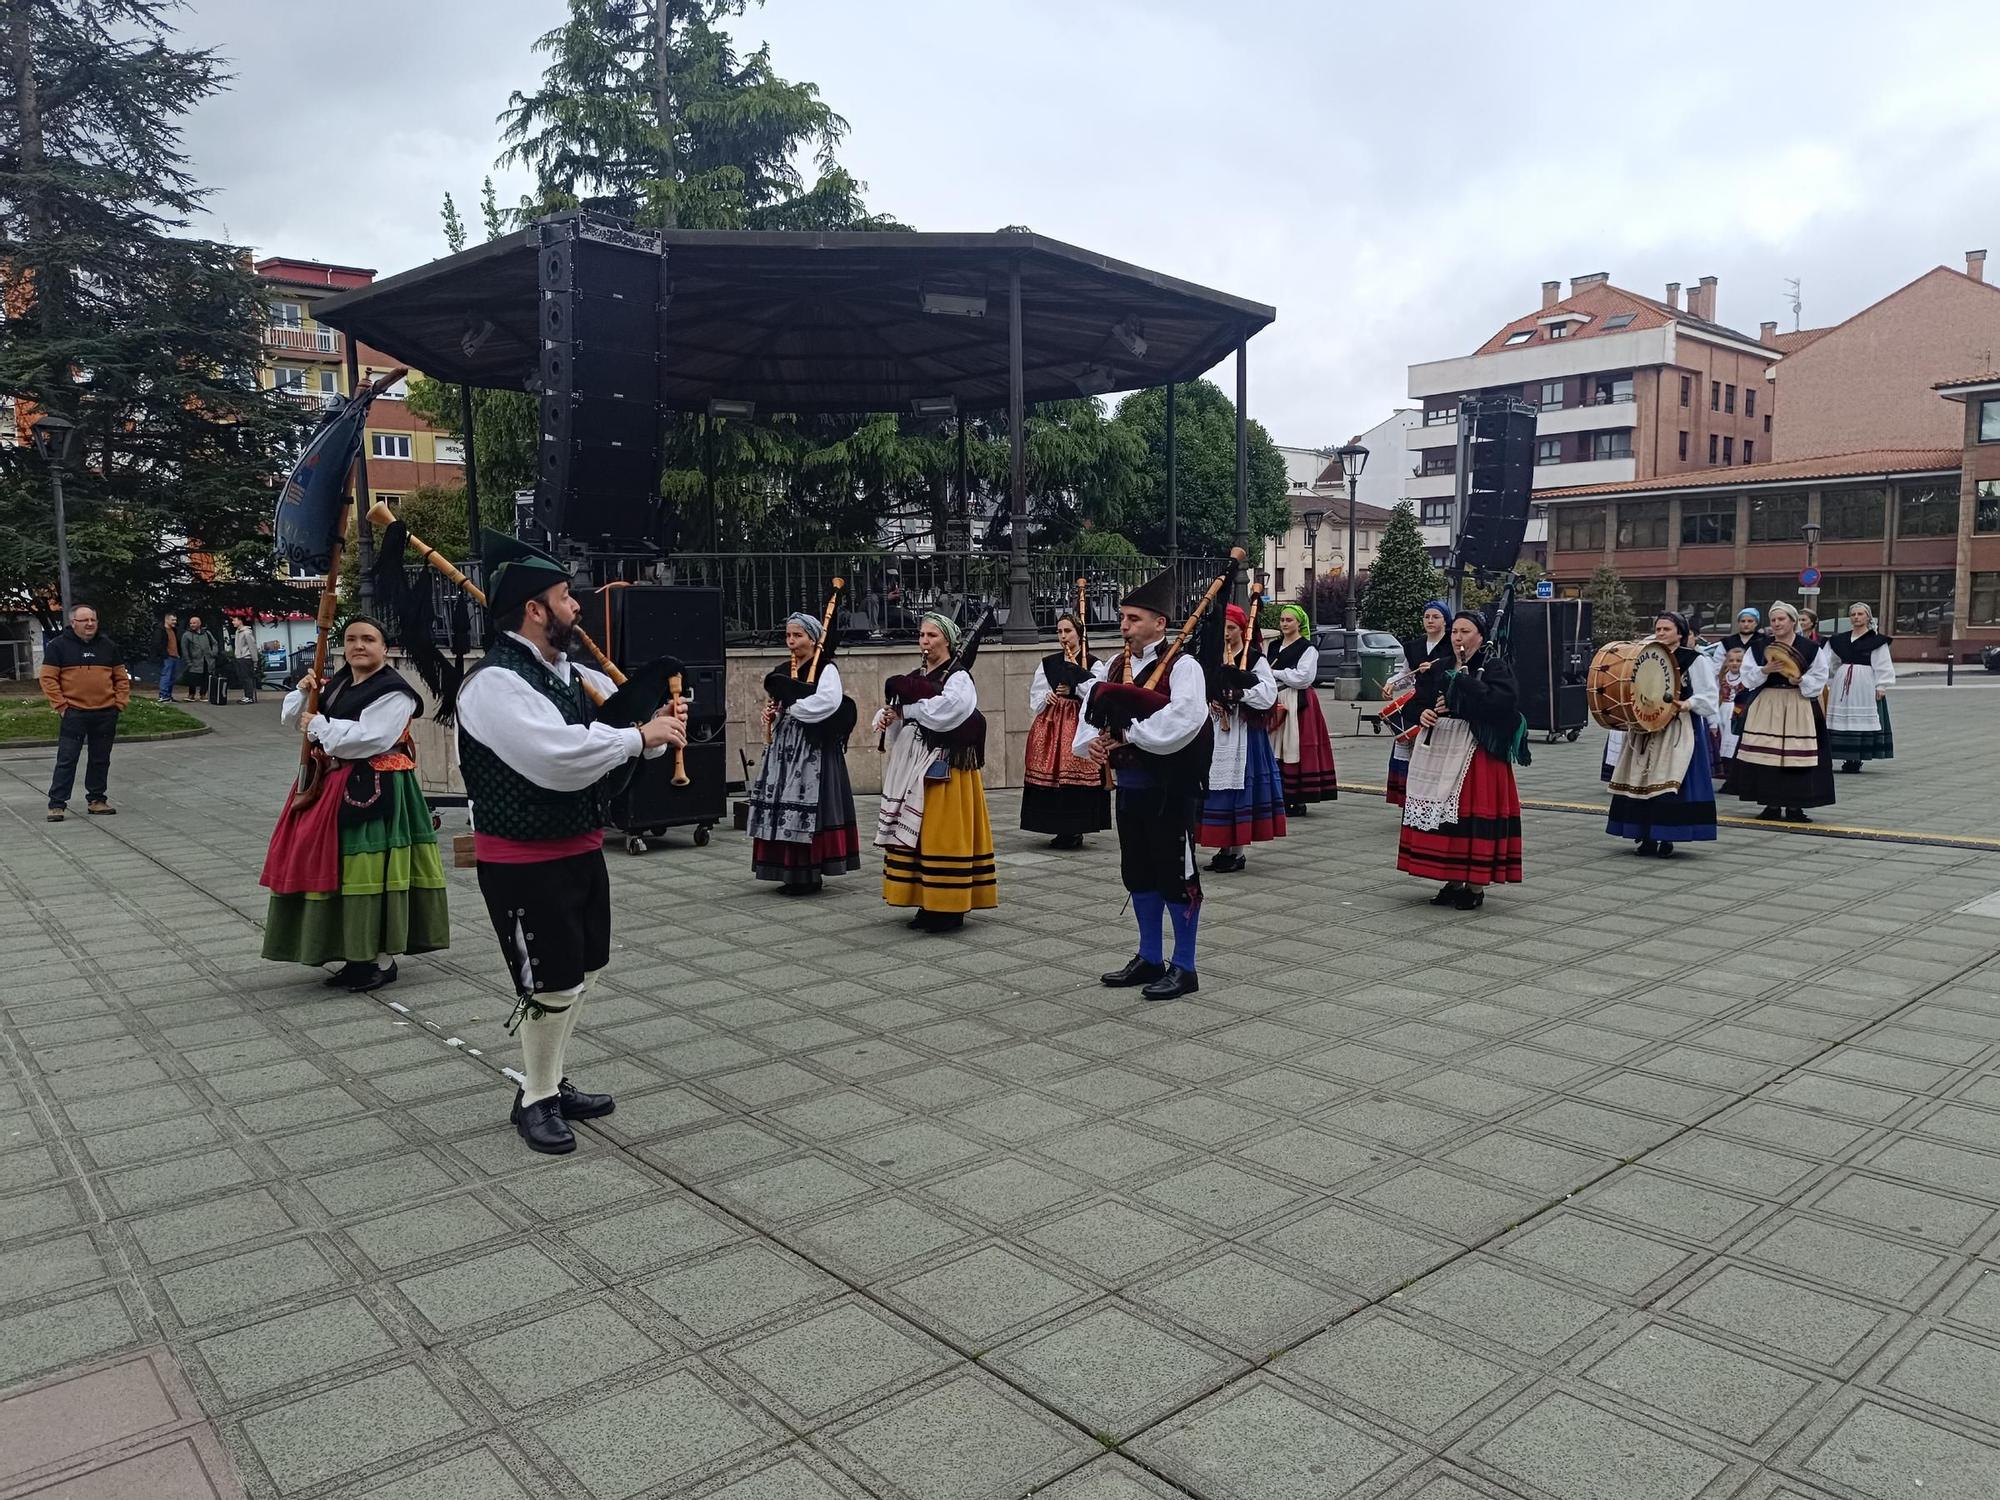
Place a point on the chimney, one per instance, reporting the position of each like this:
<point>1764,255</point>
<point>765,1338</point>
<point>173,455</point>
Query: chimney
<point>1767,334</point>
<point>1706,293</point>
<point>1551,294</point>
<point>1975,264</point>
<point>1674,295</point>
<point>1592,278</point>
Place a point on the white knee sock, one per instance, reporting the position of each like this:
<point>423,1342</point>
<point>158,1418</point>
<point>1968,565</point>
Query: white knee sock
<point>542,1038</point>
<point>569,1019</point>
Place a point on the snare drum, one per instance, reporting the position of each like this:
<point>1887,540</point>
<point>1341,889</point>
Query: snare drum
<point>1634,685</point>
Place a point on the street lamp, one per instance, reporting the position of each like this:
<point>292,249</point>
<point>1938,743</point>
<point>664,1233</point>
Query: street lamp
<point>55,440</point>
<point>1353,459</point>
<point>1809,593</point>
<point>1313,518</point>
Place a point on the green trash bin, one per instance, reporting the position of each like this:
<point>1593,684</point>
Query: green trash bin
<point>1377,667</point>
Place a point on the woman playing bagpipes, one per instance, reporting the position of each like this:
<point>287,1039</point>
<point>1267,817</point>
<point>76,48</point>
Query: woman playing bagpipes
<point>1062,794</point>
<point>932,828</point>
<point>1782,757</point>
<point>802,826</point>
<point>1246,795</point>
<point>1428,655</point>
<point>1462,814</point>
<point>1305,748</point>
<point>1662,784</point>
<point>353,871</point>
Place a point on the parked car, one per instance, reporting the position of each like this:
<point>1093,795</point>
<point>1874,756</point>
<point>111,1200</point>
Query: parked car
<point>1336,649</point>
<point>1990,657</point>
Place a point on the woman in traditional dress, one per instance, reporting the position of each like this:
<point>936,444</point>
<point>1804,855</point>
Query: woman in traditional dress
<point>354,875</point>
<point>1427,656</point>
<point>936,842</point>
<point>1749,631</point>
<point>1305,749</point>
<point>1246,795</point>
<point>1462,815</point>
<point>1857,713</point>
<point>802,808</point>
<point>1062,793</point>
<point>1663,789</point>
<point>1781,757</point>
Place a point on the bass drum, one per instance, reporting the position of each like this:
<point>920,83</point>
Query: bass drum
<point>1634,685</point>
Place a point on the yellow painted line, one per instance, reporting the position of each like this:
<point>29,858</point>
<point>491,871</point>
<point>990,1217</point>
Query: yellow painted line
<point>1815,830</point>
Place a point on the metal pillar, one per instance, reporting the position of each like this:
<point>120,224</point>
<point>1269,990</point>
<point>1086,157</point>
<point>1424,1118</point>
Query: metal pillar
<point>1353,578</point>
<point>1173,485</point>
<point>1020,599</point>
<point>62,540</point>
<point>962,533</point>
<point>471,473</point>
<point>364,534</point>
<point>1242,460</point>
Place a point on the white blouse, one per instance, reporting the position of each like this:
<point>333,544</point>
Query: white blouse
<point>507,714</point>
<point>1161,733</point>
<point>1302,675</point>
<point>378,730</point>
<point>823,701</point>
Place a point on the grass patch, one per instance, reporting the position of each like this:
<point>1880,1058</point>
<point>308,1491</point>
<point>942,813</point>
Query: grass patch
<point>30,719</point>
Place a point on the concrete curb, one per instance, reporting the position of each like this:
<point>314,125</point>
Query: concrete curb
<point>123,739</point>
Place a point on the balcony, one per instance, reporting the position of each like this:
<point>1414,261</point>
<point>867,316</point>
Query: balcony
<point>1588,471</point>
<point>311,400</point>
<point>1594,417</point>
<point>302,340</point>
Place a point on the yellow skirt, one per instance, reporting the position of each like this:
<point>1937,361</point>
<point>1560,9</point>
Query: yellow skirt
<point>951,869</point>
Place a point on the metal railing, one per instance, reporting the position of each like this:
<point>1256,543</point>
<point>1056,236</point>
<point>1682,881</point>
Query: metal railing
<point>304,340</point>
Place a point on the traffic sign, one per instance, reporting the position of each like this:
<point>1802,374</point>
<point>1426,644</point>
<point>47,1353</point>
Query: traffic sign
<point>1808,578</point>
<point>1545,589</point>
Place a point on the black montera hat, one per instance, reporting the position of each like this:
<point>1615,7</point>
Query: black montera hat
<point>1156,594</point>
<point>515,572</point>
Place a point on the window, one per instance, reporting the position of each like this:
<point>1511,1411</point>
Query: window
<point>1759,592</point>
<point>1923,602</point>
<point>1687,386</point>
<point>1611,445</point>
<point>1618,320</point>
<point>1606,389</point>
<point>1749,451</point>
<point>1648,596</point>
<point>1715,395</point>
<point>1729,399</point>
<point>1558,330</point>
<point>1684,446</point>
<point>1552,395</point>
<point>1439,416</point>
<point>389,444</point>
<point>1436,513</point>
<point>286,378</point>
<point>1440,461</point>
<point>1767,421</point>
<point>1713,443</point>
<point>1729,450</point>
<point>1580,528</point>
<point>1749,402</point>
<point>1852,515</point>
<point>329,383</point>
<point>1985,604</point>
<point>1642,523</point>
<point>1708,523</point>
<point>286,315</point>
<point>1989,421</point>
<point>1711,597</point>
<point>1986,506</point>
<point>450,451</point>
<point>1280,582</point>
<point>1927,510</point>
<point>1548,450</point>
<point>1777,518</point>
<point>1518,338</point>
<point>1839,590</point>
<point>391,501</point>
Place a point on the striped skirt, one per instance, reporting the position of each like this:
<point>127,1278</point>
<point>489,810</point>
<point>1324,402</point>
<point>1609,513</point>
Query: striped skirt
<point>951,869</point>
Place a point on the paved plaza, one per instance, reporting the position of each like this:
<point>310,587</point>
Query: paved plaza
<point>1648,1181</point>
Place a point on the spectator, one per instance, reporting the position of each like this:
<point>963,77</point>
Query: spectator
<point>247,663</point>
<point>85,682</point>
<point>199,649</point>
<point>167,647</point>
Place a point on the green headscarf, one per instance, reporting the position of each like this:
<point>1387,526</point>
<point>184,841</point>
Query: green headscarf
<point>946,627</point>
<point>1298,612</point>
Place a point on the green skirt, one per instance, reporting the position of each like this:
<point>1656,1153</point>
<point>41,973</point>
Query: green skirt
<point>1852,745</point>
<point>392,892</point>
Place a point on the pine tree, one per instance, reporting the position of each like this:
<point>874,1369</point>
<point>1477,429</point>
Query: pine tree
<point>1612,615</point>
<point>147,337</point>
<point>1403,579</point>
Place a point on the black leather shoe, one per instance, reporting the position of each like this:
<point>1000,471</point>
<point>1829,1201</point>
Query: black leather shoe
<point>1667,851</point>
<point>347,976</point>
<point>1796,815</point>
<point>373,978</point>
<point>1171,985</point>
<point>1138,971</point>
<point>1646,846</point>
<point>542,1127</point>
<point>1447,894</point>
<point>1771,815</point>
<point>1850,766</point>
<point>577,1105</point>
<point>1471,898</point>
<point>1227,864</point>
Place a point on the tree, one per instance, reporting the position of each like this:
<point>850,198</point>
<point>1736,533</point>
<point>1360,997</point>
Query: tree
<point>148,337</point>
<point>1205,435</point>
<point>1527,572</point>
<point>1611,613</point>
<point>1403,578</point>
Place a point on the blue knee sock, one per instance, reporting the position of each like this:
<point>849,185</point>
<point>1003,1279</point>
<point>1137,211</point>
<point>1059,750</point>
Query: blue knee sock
<point>1147,907</point>
<point>1186,917</point>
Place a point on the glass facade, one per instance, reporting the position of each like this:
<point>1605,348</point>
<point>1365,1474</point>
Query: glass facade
<point>1922,602</point>
<point>1580,528</point>
<point>1778,518</point>
<point>1642,523</point>
<point>1707,523</point>
<point>1927,510</point>
<point>1851,515</point>
<point>1714,597</point>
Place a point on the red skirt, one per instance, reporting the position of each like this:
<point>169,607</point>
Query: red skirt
<point>833,851</point>
<point>304,857</point>
<point>1484,846</point>
<point>1311,778</point>
<point>1399,777</point>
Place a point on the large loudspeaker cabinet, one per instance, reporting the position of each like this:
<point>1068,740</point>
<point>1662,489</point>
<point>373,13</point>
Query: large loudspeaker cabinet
<point>1500,477</point>
<point>601,292</point>
<point>1551,659</point>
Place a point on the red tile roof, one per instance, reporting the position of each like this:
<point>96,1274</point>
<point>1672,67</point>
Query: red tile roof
<point>1832,466</point>
<point>1991,377</point>
<point>1335,507</point>
<point>1602,303</point>
<point>1791,343</point>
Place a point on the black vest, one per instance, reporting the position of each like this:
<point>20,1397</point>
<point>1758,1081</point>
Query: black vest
<point>506,803</point>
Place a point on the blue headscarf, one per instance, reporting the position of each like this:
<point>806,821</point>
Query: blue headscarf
<point>1752,611</point>
<point>1441,607</point>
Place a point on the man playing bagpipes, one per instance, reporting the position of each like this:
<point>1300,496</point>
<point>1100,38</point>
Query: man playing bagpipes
<point>932,827</point>
<point>535,753</point>
<point>802,805</point>
<point>1153,729</point>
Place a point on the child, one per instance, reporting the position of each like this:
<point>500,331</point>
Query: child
<point>1728,726</point>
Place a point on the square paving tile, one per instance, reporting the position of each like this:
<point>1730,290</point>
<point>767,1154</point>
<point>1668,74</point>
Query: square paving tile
<point>1845,1258</point>
<point>675,1428</point>
<point>1220,1195</point>
<point>1514,1311</point>
<point>64,1333</point>
<point>402,1239</point>
<point>820,1365</point>
<point>876,1235</point>
<point>910,1150</point>
<point>577,1347</point>
<point>1363,1252</point>
<point>1573,1246</point>
<point>1109,1369</point>
<point>1732,1165</point>
<point>1242,1303</point>
<point>350,1427</point>
<point>1016,1117</point>
<point>1901,1208</point>
<point>640,1238</point>
<point>1111,1239</point>
<point>1570,1448</point>
<point>486,1287</point>
<point>1670,1205</point>
<point>1406,1375</point>
<point>961,1438</point>
<point>223,1288</point>
<point>1795,1320</point>
<point>1314,1156</point>
<point>722,1292</point>
<point>982,1295</point>
<point>1716,1388</point>
<point>1883,1453</point>
<point>1954,1373</point>
<point>1109,1151</point>
<point>1258,1441</point>
<point>1004,1191</point>
<point>478,1475</point>
<point>791,1189</point>
<point>1464,1210</point>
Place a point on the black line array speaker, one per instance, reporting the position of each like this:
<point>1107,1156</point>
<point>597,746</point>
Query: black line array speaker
<point>1551,657</point>
<point>1500,476</point>
<point>601,293</point>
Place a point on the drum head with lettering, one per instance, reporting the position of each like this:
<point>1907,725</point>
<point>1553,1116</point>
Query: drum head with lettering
<point>1656,686</point>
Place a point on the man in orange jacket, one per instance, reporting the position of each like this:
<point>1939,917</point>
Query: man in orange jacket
<point>87,685</point>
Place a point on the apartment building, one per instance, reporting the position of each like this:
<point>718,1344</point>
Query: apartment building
<point>1630,387</point>
<point>308,362</point>
<point>1289,559</point>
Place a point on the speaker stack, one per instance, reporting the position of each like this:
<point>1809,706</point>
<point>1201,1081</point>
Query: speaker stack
<point>1499,480</point>
<point>602,289</point>
<point>1551,657</point>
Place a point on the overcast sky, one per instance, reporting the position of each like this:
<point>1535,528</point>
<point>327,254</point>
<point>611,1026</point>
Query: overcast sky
<point>1396,180</point>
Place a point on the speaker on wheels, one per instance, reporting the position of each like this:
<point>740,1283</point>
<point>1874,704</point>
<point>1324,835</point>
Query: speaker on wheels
<point>1551,659</point>
<point>599,462</point>
<point>1499,479</point>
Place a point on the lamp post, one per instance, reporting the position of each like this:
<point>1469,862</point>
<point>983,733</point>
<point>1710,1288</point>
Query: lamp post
<point>1353,459</point>
<point>1809,593</point>
<point>55,439</point>
<point>1312,518</point>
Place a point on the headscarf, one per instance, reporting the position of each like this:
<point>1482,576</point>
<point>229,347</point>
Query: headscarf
<point>358,618</point>
<point>1234,615</point>
<point>1782,608</point>
<point>1298,612</point>
<point>1441,607</point>
<point>1857,604</point>
<point>808,623</point>
<point>1478,622</point>
<point>1679,622</point>
<point>947,627</point>
<point>1751,611</point>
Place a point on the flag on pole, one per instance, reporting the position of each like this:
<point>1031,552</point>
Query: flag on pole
<point>310,504</point>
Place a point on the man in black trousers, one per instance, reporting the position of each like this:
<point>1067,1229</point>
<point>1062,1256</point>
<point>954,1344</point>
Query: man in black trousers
<point>88,687</point>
